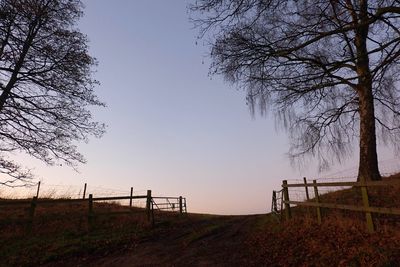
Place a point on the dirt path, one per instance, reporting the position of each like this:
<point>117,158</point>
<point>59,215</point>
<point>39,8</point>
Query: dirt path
<point>193,241</point>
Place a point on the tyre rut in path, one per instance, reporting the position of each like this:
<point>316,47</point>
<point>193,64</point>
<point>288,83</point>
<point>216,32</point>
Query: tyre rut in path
<point>199,241</point>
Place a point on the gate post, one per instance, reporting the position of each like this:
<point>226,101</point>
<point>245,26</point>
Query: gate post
<point>180,205</point>
<point>148,204</point>
<point>285,188</point>
<point>274,206</point>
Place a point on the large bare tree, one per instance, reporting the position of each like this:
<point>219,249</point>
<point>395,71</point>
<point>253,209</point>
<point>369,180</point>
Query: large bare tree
<point>329,69</point>
<point>46,84</point>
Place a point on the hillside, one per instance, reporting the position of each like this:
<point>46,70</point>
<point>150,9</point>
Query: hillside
<point>207,240</point>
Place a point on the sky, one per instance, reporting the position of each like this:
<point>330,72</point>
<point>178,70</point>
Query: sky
<point>171,127</point>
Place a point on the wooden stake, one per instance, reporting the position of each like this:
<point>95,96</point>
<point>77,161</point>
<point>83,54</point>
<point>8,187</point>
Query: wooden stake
<point>130,201</point>
<point>84,191</point>
<point>274,207</point>
<point>288,213</point>
<point>90,214</point>
<point>368,215</point>
<point>307,193</point>
<point>152,214</point>
<point>38,188</point>
<point>180,205</point>
<point>148,204</point>
<point>305,185</point>
<point>319,218</point>
<point>32,213</point>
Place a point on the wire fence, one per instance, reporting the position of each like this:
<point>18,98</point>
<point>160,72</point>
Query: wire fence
<point>387,168</point>
<point>302,193</point>
<point>61,191</point>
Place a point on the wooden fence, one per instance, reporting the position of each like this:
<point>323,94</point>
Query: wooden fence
<point>365,208</point>
<point>149,210</point>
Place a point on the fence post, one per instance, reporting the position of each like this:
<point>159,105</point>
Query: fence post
<point>305,185</point>
<point>148,204</point>
<point>184,199</point>
<point>90,214</point>
<point>286,199</point>
<point>152,214</point>
<point>368,216</point>
<point>307,194</point>
<point>38,188</point>
<point>32,213</point>
<point>180,205</point>
<point>84,191</point>
<point>274,207</point>
<point>130,201</point>
<point>317,201</point>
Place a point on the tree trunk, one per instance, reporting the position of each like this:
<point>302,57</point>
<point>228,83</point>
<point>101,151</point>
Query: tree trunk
<point>368,167</point>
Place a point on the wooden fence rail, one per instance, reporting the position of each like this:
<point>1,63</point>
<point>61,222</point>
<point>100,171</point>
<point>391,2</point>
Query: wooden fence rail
<point>17,202</point>
<point>363,185</point>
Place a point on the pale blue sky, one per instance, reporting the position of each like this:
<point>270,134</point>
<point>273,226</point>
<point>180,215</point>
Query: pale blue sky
<point>171,128</point>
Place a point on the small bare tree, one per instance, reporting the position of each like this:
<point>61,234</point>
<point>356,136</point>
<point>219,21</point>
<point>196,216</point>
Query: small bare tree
<point>46,84</point>
<point>329,69</point>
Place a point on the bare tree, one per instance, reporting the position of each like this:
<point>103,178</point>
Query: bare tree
<point>329,69</point>
<point>46,84</point>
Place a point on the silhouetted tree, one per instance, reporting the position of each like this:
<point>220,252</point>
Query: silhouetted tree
<point>329,69</point>
<point>46,84</point>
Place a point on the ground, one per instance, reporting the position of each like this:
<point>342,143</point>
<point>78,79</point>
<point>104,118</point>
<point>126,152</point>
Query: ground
<point>64,235</point>
<point>196,240</point>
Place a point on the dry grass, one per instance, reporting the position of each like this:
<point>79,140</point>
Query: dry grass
<point>62,230</point>
<point>61,233</point>
<point>341,239</point>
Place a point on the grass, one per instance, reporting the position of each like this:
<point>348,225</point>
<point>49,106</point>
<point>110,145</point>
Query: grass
<point>341,239</point>
<point>62,230</point>
<point>338,241</point>
<point>61,234</point>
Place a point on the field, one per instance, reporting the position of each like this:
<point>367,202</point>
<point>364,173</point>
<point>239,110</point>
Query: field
<point>61,236</point>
